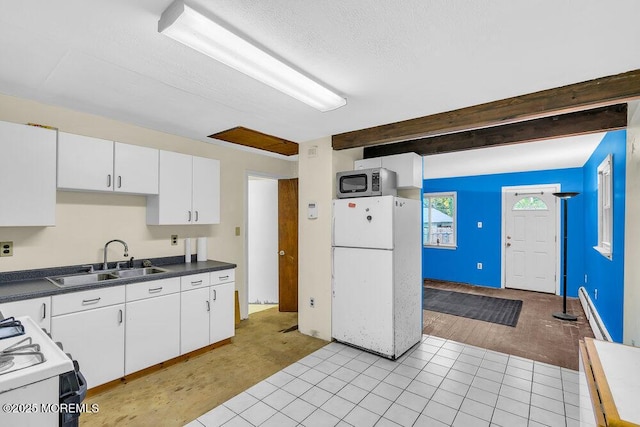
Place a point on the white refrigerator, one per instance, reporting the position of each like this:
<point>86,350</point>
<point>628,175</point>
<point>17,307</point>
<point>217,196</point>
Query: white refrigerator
<point>377,283</point>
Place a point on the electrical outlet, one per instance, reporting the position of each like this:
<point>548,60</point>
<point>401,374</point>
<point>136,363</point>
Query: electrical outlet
<point>312,302</point>
<point>479,266</point>
<point>6,248</point>
<point>174,240</point>
<point>237,231</point>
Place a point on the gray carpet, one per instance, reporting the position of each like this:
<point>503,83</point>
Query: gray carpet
<point>489,309</point>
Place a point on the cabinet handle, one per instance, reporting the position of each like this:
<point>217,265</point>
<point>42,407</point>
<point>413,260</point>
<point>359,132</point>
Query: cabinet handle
<point>90,301</point>
<point>196,216</point>
<point>189,216</point>
<point>223,277</point>
<point>109,181</point>
<point>215,295</point>
<point>44,310</point>
<point>196,283</point>
<point>119,181</point>
<point>154,290</point>
<point>120,317</point>
<point>208,305</point>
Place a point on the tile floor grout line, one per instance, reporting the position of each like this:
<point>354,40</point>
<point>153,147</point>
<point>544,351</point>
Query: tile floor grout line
<point>386,369</point>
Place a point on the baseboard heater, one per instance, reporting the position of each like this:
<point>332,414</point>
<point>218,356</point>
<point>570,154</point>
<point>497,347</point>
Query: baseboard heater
<point>599,330</point>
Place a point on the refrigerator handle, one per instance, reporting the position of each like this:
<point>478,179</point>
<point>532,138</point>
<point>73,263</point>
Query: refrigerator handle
<point>333,229</point>
<point>333,290</point>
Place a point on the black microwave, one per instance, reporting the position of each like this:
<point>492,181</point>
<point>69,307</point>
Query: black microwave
<point>366,183</point>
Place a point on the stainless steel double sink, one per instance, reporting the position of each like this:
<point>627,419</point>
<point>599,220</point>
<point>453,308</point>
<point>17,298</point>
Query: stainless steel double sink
<point>79,279</point>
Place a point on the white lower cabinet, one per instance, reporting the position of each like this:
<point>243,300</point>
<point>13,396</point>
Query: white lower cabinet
<point>90,326</point>
<point>95,338</point>
<point>207,309</point>
<point>39,309</point>
<point>222,319</point>
<point>194,320</point>
<point>153,323</point>
<point>119,330</point>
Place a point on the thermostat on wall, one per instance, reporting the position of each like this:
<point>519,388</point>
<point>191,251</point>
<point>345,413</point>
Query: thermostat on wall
<point>312,210</point>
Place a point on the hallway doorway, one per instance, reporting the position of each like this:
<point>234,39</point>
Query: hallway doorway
<point>262,242</point>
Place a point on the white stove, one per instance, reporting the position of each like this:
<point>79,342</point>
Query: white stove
<point>34,378</point>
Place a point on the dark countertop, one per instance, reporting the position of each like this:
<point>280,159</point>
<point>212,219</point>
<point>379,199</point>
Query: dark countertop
<point>21,285</point>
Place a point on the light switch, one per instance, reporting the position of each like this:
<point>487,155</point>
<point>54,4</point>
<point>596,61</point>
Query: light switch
<point>479,224</point>
<point>237,231</point>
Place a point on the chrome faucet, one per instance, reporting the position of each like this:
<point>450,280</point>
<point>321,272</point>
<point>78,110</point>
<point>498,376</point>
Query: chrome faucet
<point>105,266</point>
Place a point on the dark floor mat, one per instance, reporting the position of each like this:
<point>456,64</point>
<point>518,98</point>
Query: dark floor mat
<point>489,309</point>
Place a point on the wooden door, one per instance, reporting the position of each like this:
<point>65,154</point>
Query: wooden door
<point>288,244</point>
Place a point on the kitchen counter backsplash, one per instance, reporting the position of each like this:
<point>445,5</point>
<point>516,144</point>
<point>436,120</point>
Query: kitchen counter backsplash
<point>25,284</point>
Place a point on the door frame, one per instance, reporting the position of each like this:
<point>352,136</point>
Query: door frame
<point>244,302</point>
<point>503,238</point>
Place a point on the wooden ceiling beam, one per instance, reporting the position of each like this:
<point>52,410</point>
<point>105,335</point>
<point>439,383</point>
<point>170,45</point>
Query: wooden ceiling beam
<point>583,122</point>
<point>616,89</point>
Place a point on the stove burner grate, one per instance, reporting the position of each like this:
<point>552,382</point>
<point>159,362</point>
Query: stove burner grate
<point>21,355</point>
<point>6,362</point>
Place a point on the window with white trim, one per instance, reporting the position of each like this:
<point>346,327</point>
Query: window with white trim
<point>605,208</point>
<point>439,219</point>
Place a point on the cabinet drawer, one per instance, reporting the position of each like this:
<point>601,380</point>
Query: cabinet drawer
<point>86,300</point>
<point>194,281</point>
<point>223,276</point>
<point>154,288</point>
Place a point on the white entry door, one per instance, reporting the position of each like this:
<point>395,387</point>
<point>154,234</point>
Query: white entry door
<point>530,238</point>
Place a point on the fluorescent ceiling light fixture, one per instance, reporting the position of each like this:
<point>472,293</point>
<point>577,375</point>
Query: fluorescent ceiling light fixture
<point>185,25</point>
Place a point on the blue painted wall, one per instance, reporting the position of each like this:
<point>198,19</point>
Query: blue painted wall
<point>479,198</point>
<point>606,275</point>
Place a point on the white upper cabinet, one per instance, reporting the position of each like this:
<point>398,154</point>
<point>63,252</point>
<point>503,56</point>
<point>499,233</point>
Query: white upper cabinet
<point>206,191</point>
<point>135,169</point>
<point>189,191</point>
<point>27,175</point>
<point>84,163</point>
<point>94,164</point>
<point>407,166</point>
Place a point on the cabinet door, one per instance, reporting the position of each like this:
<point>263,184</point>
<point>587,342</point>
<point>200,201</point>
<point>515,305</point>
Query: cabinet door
<point>375,162</point>
<point>84,163</point>
<point>135,169</point>
<point>172,205</point>
<point>222,318</point>
<point>39,309</point>
<point>194,320</point>
<point>206,191</point>
<point>408,168</point>
<point>152,332</point>
<point>27,175</point>
<point>95,338</point>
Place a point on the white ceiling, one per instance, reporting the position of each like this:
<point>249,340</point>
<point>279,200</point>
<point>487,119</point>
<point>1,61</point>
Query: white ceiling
<point>391,60</point>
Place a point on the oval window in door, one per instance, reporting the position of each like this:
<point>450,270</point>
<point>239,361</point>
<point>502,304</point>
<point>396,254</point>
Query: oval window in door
<point>530,203</point>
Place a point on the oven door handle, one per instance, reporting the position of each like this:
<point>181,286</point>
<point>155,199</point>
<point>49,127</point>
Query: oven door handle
<point>82,392</point>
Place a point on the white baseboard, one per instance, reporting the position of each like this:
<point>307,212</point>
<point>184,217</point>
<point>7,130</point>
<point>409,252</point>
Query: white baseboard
<point>598,327</point>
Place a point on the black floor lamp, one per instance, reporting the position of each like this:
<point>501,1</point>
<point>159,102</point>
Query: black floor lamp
<point>564,315</point>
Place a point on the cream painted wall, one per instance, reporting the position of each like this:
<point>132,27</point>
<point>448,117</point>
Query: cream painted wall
<point>86,221</point>
<point>631,327</point>
<point>316,175</point>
